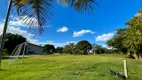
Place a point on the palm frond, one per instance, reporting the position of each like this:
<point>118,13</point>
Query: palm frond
<point>81,5</point>
<point>37,12</point>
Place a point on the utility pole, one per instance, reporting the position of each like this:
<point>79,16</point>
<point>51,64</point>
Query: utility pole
<point>5,29</point>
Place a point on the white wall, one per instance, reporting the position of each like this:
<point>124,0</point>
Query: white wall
<point>34,48</point>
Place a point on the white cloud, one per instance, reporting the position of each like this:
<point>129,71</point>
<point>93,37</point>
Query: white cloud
<point>62,29</point>
<point>104,37</point>
<point>71,42</point>
<point>15,27</point>
<point>107,47</point>
<point>56,44</point>
<point>82,32</point>
<point>30,37</point>
<point>19,21</point>
<point>17,30</point>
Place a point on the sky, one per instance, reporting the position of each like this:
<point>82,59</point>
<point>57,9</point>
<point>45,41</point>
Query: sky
<point>67,25</point>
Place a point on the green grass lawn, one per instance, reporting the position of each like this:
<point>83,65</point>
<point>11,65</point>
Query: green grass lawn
<point>70,67</point>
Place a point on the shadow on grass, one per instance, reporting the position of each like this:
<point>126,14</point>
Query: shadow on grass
<point>4,70</point>
<point>7,57</point>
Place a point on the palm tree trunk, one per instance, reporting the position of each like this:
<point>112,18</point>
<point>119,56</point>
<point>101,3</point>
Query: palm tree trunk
<point>4,30</point>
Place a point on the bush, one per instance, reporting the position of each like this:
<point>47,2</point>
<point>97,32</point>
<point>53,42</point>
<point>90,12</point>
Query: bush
<point>69,48</point>
<point>59,50</point>
<point>76,51</point>
<point>5,53</point>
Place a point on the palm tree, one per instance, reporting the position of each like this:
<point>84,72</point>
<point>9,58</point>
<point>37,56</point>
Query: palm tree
<point>41,10</point>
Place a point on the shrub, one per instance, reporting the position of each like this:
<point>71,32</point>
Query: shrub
<point>5,53</point>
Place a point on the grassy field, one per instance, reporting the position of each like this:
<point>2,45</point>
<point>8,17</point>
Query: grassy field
<point>70,67</point>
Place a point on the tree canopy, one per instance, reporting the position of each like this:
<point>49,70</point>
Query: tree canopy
<point>69,48</point>
<point>133,36</point>
<point>12,40</point>
<point>82,47</point>
<point>129,39</point>
<point>59,50</point>
<point>117,41</point>
<point>98,49</point>
<point>49,49</point>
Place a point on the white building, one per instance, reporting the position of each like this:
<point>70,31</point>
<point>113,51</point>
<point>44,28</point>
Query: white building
<point>33,49</point>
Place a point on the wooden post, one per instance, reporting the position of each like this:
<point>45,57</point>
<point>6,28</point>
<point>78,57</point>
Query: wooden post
<point>125,68</point>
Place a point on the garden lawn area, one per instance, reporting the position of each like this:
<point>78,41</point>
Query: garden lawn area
<point>70,67</point>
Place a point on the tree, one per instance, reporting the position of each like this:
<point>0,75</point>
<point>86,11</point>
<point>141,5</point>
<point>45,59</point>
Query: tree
<point>49,49</point>
<point>59,50</point>
<point>133,37</point>
<point>5,53</point>
<point>129,39</point>
<point>117,41</point>
<point>69,48</point>
<point>98,49</point>
<point>12,40</point>
<point>83,47</point>
<point>41,11</point>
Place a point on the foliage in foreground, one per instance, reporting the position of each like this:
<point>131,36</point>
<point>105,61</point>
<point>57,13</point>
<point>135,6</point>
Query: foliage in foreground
<point>37,12</point>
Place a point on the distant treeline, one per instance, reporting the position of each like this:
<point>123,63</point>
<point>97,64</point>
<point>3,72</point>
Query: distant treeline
<point>82,47</point>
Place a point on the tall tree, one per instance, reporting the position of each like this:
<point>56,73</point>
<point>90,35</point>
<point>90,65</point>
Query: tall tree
<point>12,40</point>
<point>129,39</point>
<point>98,49</point>
<point>69,48</point>
<point>49,49</point>
<point>59,50</point>
<point>117,41</point>
<point>41,11</point>
<point>82,47</point>
<point>133,37</point>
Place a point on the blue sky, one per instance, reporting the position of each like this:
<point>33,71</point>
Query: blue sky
<point>66,25</point>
